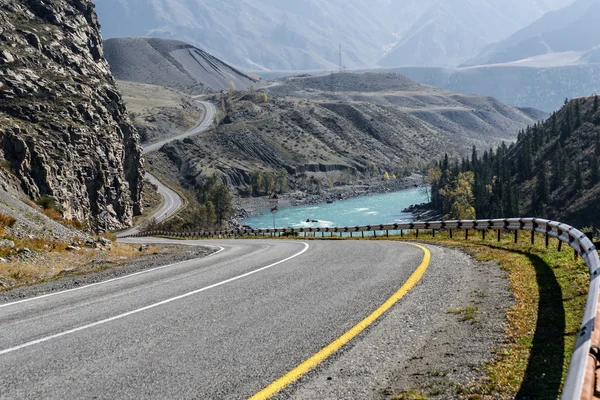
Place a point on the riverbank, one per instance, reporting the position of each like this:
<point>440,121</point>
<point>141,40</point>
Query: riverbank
<point>248,207</point>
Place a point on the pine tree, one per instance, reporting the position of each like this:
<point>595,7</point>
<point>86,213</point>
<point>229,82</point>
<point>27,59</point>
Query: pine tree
<point>594,173</point>
<point>541,195</point>
<point>553,131</point>
<point>595,103</point>
<point>558,168</point>
<point>578,177</point>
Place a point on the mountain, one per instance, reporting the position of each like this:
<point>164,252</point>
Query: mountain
<point>592,56</point>
<point>171,63</point>
<point>288,35</point>
<point>553,171</point>
<point>572,28</point>
<point>259,34</point>
<point>542,88</point>
<point>452,31</point>
<point>374,123</point>
<point>65,136</point>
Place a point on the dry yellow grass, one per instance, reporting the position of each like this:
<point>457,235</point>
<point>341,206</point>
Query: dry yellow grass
<point>52,260</point>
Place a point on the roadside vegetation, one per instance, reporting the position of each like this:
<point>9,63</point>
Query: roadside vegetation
<point>550,290</point>
<point>208,208</point>
<point>27,260</point>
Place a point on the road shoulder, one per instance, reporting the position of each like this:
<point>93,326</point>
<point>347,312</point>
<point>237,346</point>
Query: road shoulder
<point>170,254</point>
<point>432,342</point>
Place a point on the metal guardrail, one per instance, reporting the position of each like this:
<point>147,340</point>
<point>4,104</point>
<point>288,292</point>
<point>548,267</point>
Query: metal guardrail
<point>581,377</point>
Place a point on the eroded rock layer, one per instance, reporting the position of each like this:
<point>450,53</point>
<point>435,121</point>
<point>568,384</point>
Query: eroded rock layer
<point>64,130</point>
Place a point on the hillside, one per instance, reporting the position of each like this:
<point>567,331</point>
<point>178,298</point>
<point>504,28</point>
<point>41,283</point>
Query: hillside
<point>553,171</point>
<point>572,28</point>
<point>158,112</point>
<point>592,56</point>
<point>65,136</point>
<point>171,63</point>
<point>542,88</point>
<point>464,120</point>
<point>320,139</point>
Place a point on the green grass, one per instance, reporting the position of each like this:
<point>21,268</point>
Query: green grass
<point>467,314</point>
<point>410,394</point>
<point>550,291</point>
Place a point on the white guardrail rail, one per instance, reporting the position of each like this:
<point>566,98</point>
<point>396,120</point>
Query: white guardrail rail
<point>581,378</point>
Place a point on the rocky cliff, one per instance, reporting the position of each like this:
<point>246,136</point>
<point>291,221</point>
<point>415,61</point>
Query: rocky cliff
<point>64,131</point>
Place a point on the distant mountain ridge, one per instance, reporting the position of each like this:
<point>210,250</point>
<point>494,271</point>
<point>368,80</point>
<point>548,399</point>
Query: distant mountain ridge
<point>451,31</point>
<point>542,88</point>
<point>572,28</point>
<point>171,63</point>
<point>289,35</point>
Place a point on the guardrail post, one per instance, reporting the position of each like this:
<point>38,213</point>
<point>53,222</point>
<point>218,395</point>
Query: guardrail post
<point>350,233</point>
<point>363,234</point>
<point>483,234</point>
<point>387,233</point>
<point>516,236</point>
<point>417,233</point>
<point>559,245</point>
<point>532,238</point>
<point>375,234</point>
<point>547,240</point>
<point>466,234</point>
<point>499,230</point>
<point>433,233</point>
<point>450,233</point>
<point>401,232</point>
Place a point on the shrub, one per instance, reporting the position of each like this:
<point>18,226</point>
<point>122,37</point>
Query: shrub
<point>46,202</point>
<point>6,221</point>
<point>52,214</point>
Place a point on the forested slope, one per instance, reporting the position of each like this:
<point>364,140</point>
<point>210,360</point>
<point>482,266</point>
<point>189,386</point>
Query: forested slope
<point>551,172</point>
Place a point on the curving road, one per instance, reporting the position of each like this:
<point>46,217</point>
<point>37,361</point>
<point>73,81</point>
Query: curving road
<point>207,120</point>
<point>172,202</point>
<point>221,327</point>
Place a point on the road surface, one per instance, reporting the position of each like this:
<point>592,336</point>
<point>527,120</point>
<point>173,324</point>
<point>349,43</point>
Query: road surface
<point>225,326</point>
<point>172,202</point>
<point>207,120</point>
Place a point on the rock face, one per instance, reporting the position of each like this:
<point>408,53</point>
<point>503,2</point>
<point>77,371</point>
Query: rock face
<point>64,131</point>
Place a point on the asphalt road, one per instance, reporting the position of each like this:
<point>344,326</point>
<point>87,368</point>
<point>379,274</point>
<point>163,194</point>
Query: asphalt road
<point>172,202</point>
<point>222,327</point>
<point>207,120</point>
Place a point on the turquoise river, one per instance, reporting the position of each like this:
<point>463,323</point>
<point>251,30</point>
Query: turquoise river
<point>368,210</point>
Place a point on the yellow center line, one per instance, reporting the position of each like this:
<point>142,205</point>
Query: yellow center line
<point>334,346</point>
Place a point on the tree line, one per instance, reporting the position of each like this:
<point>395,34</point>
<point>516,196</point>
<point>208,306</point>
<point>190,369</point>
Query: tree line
<point>551,162</point>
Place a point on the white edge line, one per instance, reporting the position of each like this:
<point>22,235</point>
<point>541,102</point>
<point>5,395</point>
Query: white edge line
<point>160,303</point>
<point>111,280</point>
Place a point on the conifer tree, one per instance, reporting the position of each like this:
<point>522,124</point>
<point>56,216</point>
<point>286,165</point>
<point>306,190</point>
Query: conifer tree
<point>594,173</point>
